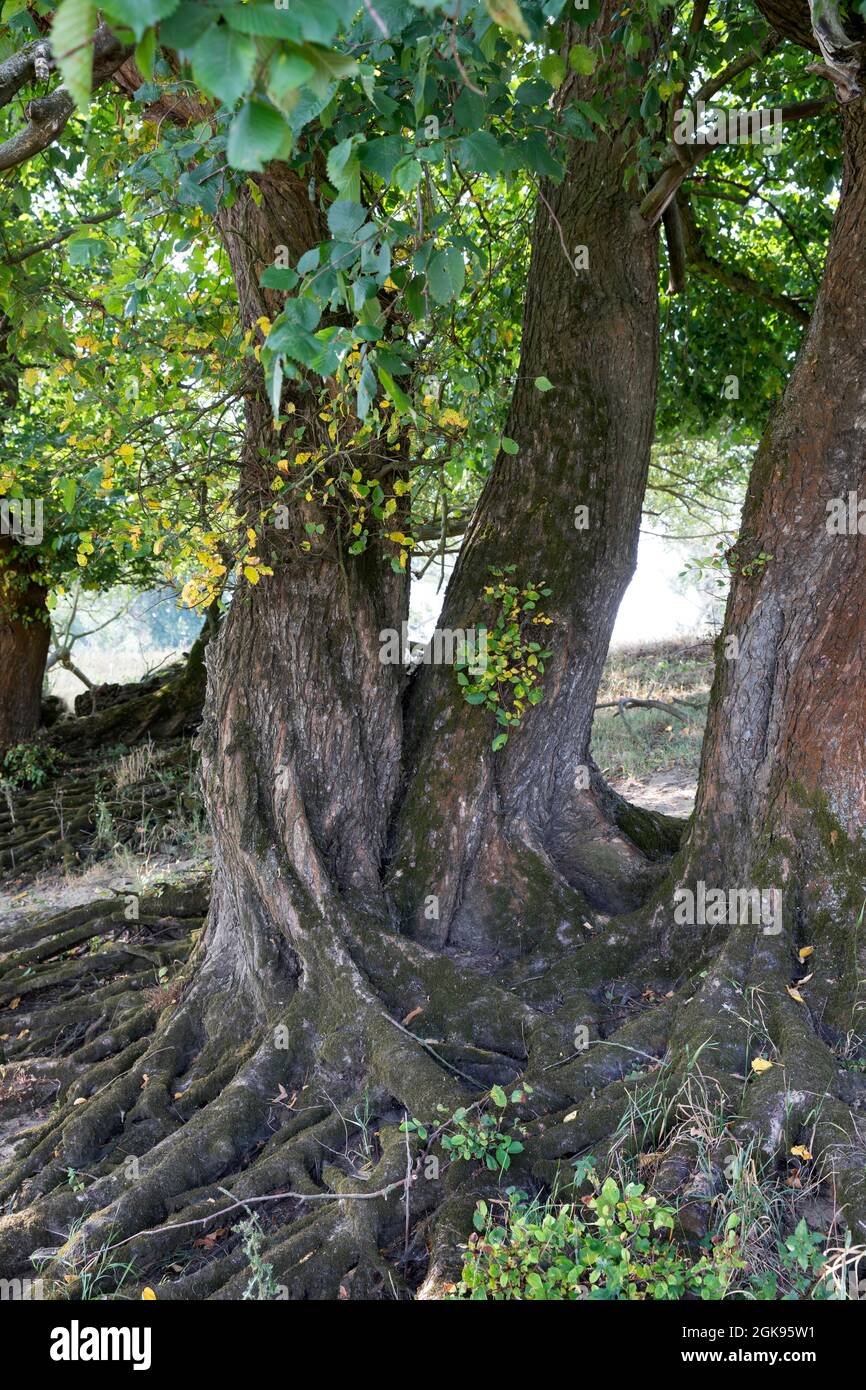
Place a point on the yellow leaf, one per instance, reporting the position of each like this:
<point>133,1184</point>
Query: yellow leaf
<point>795,994</point>
<point>251,574</point>
<point>572,1115</point>
<point>453,417</point>
<point>15,1002</point>
<point>805,952</point>
<point>507,14</point>
<point>761,1064</point>
<point>148,1295</point>
<point>800,1151</point>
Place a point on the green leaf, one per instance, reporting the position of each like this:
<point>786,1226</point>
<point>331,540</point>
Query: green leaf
<point>278,277</point>
<point>407,175</point>
<point>446,274</point>
<point>344,168</point>
<point>543,383</point>
<point>145,53</point>
<point>223,63</point>
<point>382,154</point>
<point>68,494</point>
<point>401,401</point>
<point>509,446</point>
<point>288,71</point>
<point>257,134</point>
<point>581,59</point>
<point>71,35</point>
<point>265,20</point>
<point>139,15</point>
<point>553,69</point>
<point>479,152</point>
<point>345,219</point>
<point>498,1096</point>
<point>499,742</point>
<point>366,390</point>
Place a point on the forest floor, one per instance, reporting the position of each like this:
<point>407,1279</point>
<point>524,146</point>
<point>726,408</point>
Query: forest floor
<point>651,756</point>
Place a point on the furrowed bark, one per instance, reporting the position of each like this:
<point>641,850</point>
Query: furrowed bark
<point>525,813</point>
<point>24,640</point>
<point>784,762</point>
<point>781,797</point>
<point>301,738</point>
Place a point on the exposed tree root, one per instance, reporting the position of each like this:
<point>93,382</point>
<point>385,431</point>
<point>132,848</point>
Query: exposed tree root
<point>86,814</point>
<point>175,1133</point>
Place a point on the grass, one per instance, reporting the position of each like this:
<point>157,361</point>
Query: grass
<point>646,741</point>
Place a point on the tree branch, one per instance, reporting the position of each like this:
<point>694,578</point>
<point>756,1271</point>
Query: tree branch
<point>681,160</point>
<point>47,116</point>
<point>33,63</point>
<point>63,235</point>
<point>676,248</point>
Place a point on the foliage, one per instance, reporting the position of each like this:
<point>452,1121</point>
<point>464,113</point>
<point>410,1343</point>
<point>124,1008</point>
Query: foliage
<point>615,1245</point>
<point>422,134</point>
<point>475,1133</point>
<point>29,764</point>
<point>509,678</point>
<point>261,1285</point>
<point>618,1243</point>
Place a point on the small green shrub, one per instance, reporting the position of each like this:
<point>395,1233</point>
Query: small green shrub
<point>474,1133</point>
<point>262,1286</point>
<point>29,765</point>
<point>612,1245</point>
<point>619,1244</point>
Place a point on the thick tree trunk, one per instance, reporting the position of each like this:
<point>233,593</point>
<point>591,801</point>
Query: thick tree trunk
<point>319,989</point>
<point>782,788</point>
<point>24,640</point>
<point>503,839</point>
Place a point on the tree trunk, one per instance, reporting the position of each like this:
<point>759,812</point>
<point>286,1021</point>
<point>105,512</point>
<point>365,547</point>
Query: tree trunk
<point>24,640</point>
<point>782,789</point>
<point>508,840</point>
<point>784,764</point>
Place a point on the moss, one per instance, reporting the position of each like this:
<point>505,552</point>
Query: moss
<point>656,834</point>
